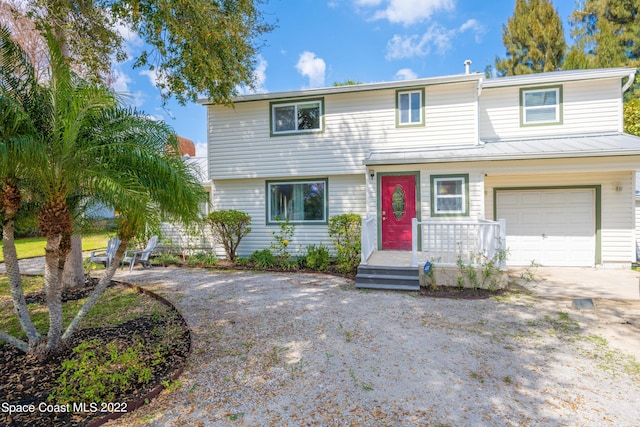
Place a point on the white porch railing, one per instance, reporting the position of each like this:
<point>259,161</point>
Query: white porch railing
<point>368,237</point>
<point>448,242</point>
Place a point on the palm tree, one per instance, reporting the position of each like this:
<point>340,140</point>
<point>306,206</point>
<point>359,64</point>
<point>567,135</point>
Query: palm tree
<point>95,150</point>
<point>21,109</point>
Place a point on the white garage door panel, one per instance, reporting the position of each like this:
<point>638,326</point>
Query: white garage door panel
<point>552,227</point>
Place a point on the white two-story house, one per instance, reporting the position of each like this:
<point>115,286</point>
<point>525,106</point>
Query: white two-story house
<point>545,152</point>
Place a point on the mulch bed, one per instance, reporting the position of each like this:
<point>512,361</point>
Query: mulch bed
<point>26,381</point>
<point>454,292</point>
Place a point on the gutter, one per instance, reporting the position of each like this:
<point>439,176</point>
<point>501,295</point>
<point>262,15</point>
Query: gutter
<point>501,157</point>
<point>627,85</point>
<point>365,87</point>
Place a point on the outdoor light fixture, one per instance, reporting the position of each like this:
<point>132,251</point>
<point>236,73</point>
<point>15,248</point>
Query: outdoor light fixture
<point>372,173</point>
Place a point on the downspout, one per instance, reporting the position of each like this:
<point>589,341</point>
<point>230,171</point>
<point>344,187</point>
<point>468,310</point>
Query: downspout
<point>627,85</point>
<point>479,91</point>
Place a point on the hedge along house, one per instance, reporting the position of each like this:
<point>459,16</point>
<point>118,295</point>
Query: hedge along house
<point>544,152</point>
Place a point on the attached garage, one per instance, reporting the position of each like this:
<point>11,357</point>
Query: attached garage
<point>551,226</point>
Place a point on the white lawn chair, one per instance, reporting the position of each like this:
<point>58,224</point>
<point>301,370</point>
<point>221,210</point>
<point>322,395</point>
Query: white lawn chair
<point>135,256</point>
<point>105,257</point>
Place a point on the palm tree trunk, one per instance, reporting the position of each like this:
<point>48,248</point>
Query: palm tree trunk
<point>11,201</point>
<point>98,291</point>
<point>73,273</point>
<point>15,281</point>
<point>53,292</point>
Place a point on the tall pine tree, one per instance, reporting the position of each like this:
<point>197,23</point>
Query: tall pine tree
<point>534,39</point>
<point>606,33</point>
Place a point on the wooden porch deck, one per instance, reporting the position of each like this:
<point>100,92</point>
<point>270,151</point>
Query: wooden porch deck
<point>390,259</point>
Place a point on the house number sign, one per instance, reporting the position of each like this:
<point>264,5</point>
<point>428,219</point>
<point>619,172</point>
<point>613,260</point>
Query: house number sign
<point>397,202</point>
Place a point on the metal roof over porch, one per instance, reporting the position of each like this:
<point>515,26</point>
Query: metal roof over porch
<point>574,146</point>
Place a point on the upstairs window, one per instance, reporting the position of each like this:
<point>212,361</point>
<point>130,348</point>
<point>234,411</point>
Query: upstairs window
<point>449,195</point>
<point>297,117</point>
<point>541,106</point>
<point>410,105</point>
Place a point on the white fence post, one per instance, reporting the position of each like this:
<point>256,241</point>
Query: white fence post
<point>414,242</point>
<point>367,238</point>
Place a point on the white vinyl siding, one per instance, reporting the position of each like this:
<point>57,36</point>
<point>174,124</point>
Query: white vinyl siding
<point>346,195</point>
<point>587,107</point>
<point>240,144</point>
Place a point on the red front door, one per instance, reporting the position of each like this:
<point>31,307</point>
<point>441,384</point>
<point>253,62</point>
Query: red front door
<point>398,194</point>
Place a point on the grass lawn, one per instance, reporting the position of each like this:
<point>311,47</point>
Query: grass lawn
<point>34,246</point>
<point>116,305</point>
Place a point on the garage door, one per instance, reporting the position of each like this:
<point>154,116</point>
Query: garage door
<point>552,227</point>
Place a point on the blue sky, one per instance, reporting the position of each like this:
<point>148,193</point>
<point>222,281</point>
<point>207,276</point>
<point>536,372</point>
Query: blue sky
<point>318,42</point>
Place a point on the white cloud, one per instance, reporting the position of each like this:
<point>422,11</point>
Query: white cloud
<point>155,78</point>
<point>407,12</point>
<point>119,81</point>
<point>477,28</point>
<point>309,65</point>
<point>155,117</point>
<point>415,45</point>
<point>132,40</point>
<point>152,75</point>
<point>406,74</point>
<point>436,38</point>
<point>259,76</point>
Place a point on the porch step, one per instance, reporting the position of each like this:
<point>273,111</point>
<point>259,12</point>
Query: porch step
<point>391,278</point>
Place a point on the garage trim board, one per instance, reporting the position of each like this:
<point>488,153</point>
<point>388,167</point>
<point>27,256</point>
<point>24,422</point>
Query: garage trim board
<point>597,208</point>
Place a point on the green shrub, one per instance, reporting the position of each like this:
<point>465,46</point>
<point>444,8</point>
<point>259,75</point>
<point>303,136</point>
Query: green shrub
<point>166,259</point>
<point>345,233</point>
<point>263,259</point>
<point>202,258</point>
<point>290,264</point>
<point>229,227</point>
<point>282,239</point>
<point>243,262</point>
<point>317,257</point>
<point>99,373</point>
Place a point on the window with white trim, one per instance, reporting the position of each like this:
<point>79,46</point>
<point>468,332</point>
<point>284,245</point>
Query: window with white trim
<point>541,106</point>
<point>296,117</point>
<point>297,201</point>
<point>410,107</point>
<point>449,195</point>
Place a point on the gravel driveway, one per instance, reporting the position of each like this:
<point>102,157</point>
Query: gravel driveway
<point>309,349</point>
